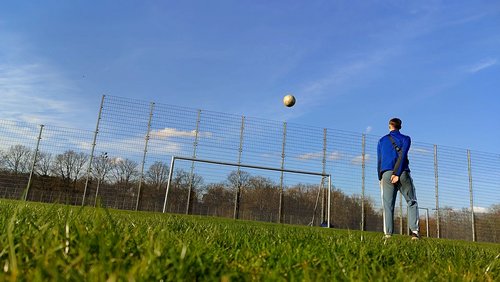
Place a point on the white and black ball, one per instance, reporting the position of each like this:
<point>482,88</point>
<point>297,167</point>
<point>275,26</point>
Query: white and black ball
<point>289,100</point>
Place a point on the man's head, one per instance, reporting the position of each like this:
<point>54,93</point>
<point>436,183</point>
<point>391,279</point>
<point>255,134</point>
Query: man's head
<point>395,124</point>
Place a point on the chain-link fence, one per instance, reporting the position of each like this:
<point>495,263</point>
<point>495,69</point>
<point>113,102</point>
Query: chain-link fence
<point>125,162</point>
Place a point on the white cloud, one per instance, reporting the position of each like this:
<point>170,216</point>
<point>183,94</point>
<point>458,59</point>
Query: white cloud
<point>481,210</point>
<point>421,151</point>
<point>168,148</point>
<point>319,155</point>
<point>467,209</point>
<point>484,64</point>
<point>173,132</point>
<point>271,155</point>
<point>85,146</point>
<point>358,160</point>
<point>368,129</point>
<point>310,156</point>
<point>333,156</point>
<point>135,146</point>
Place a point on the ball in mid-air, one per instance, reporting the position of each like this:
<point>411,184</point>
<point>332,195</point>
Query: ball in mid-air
<point>289,100</point>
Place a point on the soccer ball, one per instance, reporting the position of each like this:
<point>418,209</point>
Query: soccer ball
<point>289,100</point>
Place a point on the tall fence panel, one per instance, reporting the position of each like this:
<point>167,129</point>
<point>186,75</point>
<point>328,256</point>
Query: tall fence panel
<point>216,137</point>
<point>421,158</point>
<point>17,150</point>
<point>60,169</point>
<point>263,146</point>
<point>121,136</point>
<point>304,196</point>
<point>373,211</point>
<point>344,155</point>
<point>125,162</point>
<point>486,199</point>
<point>173,132</point>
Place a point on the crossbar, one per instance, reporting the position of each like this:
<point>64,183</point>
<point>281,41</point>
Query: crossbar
<point>252,166</point>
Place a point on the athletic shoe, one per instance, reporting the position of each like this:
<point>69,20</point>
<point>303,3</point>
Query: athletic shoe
<point>415,236</point>
<point>387,236</point>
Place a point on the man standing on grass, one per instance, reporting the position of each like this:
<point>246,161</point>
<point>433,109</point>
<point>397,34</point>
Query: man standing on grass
<point>394,175</point>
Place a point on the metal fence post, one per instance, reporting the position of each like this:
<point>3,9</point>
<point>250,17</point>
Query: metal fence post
<point>280,212</point>
<point>407,220</point>
<point>436,175</point>
<point>473,223</point>
<point>191,175</point>
<point>92,150</point>
<point>33,163</point>
<point>427,221</point>
<point>400,214</point>
<point>238,189</point>
<point>141,179</point>
<point>363,137</point>
<point>329,199</point>
<point>323,194</point>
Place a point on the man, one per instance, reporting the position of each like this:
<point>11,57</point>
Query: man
<point>394,175</point>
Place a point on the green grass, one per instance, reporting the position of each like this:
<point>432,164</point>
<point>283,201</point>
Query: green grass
<point>54,242</point>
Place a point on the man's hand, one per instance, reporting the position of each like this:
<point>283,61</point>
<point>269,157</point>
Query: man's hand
<point>394,179</point>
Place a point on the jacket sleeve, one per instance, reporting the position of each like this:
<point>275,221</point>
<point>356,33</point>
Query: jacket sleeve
<point>402,157</point>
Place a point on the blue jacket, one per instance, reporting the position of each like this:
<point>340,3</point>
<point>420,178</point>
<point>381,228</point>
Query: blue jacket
<point>389,158</point>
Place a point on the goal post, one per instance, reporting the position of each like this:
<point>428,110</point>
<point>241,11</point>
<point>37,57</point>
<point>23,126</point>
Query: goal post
<point>323,175</point>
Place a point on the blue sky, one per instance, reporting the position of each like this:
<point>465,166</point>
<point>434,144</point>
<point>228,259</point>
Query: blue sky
<point>352,65</point>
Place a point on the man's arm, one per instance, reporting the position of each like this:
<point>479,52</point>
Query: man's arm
<point>402,156</point>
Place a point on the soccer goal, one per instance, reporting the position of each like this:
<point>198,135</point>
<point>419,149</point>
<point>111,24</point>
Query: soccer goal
<point>240,165</point>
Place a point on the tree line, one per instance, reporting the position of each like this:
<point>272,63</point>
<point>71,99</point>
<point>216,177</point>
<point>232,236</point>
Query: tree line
<point>114,180</point>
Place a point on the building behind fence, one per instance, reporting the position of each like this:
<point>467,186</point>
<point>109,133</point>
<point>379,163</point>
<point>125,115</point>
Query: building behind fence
<point>124,163</point>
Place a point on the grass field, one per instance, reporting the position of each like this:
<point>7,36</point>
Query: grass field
<point>55,242</point>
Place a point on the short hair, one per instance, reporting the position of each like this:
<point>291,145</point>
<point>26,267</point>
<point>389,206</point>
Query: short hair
<point>396,123</point>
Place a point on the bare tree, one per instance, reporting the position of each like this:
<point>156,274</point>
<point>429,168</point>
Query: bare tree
<point>157,174</point>
<point>218,200</point>
<point>101,167</point>
<point>69,166</point>
<point>43,168</point>
<point>43,164</point>
<point>17,159</point>
<point>182,179</point>
<point>124,171</point>
<point>261,198</point>
<point>2,160</point>
<point>238,179</point>
<point>179,189</point>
